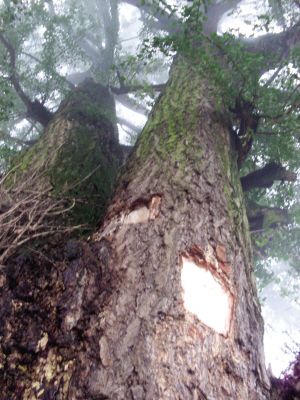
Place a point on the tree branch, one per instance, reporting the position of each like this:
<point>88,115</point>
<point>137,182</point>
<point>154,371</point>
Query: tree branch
<point>78,77</point>
<point>275,46</point>
<point>261,218</point>
<point>165,22</point>
<point>266,176</point>
<point>36,59</point>
<point>35,109</point>
<point>129,125</point>
<point>215,12</point>
<point>8,138</point>
<point>127,102</point>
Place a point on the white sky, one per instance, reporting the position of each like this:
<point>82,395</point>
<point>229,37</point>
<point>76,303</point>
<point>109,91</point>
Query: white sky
<point>282,321</point>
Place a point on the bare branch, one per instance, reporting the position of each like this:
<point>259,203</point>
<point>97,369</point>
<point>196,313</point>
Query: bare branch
<point>266,176</point>
<point>6,136</point>
<point>273,76</point>
<point>126,101</point>
<point>35,109</point>
<point>69,83</point>
<point>27,214</point>
<point>78,77</point>
<point>129,125</point>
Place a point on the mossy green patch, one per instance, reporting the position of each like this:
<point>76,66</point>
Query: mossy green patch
<point>174,119</point>
<point>78,156</point>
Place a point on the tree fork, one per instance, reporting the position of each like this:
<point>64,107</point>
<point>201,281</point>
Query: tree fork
<point>123,324</point>
<point>78,155</point>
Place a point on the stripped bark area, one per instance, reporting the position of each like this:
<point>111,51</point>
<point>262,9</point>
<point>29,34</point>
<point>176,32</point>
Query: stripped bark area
<point>117,322</point>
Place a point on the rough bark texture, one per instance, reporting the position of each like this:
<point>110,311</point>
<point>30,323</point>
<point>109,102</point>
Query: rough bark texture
<point>78,156</point>
<point>107,320</point>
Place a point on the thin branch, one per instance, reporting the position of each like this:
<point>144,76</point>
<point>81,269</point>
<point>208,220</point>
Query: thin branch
<point>27,214</point>
<point>34,108</point>
<point>129,125</point>
<point>273,76</point>
<point>14,78</point>
<point>76,78</point>
<point>69,83</point>
<point>127,102</point>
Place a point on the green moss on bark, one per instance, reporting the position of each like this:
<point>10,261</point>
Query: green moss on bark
<point>175,117</point>
<point>78,155</point>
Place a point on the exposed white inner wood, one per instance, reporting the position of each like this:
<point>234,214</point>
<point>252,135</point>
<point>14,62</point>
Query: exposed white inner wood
<point>205,297</point>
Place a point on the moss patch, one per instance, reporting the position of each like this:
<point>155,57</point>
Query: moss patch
<point>175,117</point>
<point>78,155</point>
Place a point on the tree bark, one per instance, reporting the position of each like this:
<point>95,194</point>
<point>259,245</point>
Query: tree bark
<point>78,156</point>
<point>114,320</point>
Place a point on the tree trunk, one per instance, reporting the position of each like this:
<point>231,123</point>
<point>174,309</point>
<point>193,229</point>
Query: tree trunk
<point>78,156</point>
<point>161,303</point>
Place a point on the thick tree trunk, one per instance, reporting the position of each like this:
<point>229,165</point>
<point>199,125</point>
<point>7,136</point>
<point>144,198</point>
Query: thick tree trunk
<point>78,156</point>
<point>161,303</point>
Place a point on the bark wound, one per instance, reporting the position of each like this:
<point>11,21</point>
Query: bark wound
<point>144,210</point>
<point>140,211</point>
<point>206,287</point>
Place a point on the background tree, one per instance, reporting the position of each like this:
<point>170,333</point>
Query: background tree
<point>208,92</point>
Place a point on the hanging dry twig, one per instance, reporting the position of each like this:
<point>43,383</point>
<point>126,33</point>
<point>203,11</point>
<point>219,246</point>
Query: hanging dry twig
<point>27,213</point>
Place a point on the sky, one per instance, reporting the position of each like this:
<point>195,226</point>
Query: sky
<point>281,313</point>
